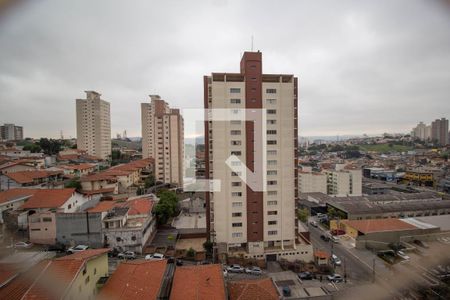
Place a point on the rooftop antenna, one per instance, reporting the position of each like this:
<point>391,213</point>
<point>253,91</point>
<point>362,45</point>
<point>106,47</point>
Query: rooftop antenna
<point>252,43</point>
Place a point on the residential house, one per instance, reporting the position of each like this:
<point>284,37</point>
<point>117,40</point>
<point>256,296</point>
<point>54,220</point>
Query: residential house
<point>42,207</point>
<point>249,289</point>
<point>198,282</point>
<point>37,179</point>
<point>79,170</point>
<point>14,199</point>
<point>137,280</point>
<point>128,226</point>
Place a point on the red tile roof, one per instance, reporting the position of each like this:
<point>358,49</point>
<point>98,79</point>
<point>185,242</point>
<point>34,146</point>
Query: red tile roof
<point>102,206</point>
<point>29,176</point>
<point>140,206</point>
<point>377,225</point>
<point>135,280</point>
<point>321,254</point>
<point>78,167</point>
<point>198,282</point>
<point>58,274</point>
<point>14,194</point>
<point>259,289</point>
<point>48,198</point>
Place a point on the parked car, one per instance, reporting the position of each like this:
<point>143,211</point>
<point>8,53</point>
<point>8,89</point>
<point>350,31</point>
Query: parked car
<point>127,255</point>
<point>337,232</point>
<point>402,255</point>
<point>23,245</point>
<point>76,249</point>
<point>235,269</point>
<point>334,239</point>
<point>286,291</point>
<point>336,260</point>
<point>305,275</point>
<point>313,223</point>
<point>325,237</point>
<point>335,278</point>
<point>253,270</point>
<point>154,256</point>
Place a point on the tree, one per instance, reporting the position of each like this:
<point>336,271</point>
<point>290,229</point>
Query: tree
<point>190,252</point>
<point>33,148</point>
<point>208,246</point>
<point>149,181</point>
<point>303,215</point>
<point>50,146</point>
<point>167,206</point>
<point>74,183</point>
<point>115,155</point>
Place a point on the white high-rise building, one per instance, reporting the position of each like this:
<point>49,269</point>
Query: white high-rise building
<point>94,125</point>
<point>344,182</point>
<point>163,139</point>
<point>242,219</point>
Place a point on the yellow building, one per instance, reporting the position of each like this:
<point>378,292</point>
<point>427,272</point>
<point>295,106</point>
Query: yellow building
<point>70,277</point>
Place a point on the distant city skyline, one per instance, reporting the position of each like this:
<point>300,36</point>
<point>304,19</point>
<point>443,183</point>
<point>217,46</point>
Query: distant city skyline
<point>363,67</point>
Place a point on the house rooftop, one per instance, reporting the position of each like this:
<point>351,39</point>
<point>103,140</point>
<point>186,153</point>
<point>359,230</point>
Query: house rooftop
<point>15,194</point>
<point>262,289</point>
<point>23,177</point>
<point>48,198</point>
<point>379,225</point>
<point>198,282</point>
<point>135,280</point>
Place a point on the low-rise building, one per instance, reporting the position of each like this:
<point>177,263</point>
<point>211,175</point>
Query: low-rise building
<point>253,289</point>
<point>79,170</point>
<point>41,210</point>
<point>198,282</point>
<point>37,179</point>
<point>309,182</point>
<point>138,280</point>
<point>128,226</point>
<point>14,199</point>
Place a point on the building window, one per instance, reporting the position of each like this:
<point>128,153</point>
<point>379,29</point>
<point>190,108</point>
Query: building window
<point>236,204</point>
<point>271,132</point>
<point>235,122</point>
<point>46,219</point>
<point>271,182</point>
<point>271,91</point>
<point>236,224</point>
<point>273,232</point>
<point>86,281</point>
<point>271,142</point>
<point>236,214</point>
<point>271,111</point>
<point>272,172</point>
<point>235,101</point>
<point>236,184</point>
<point>235,90</point>
<point>272,162</point>
<point>235,163</point>
<point>272,202</point>
<point>271,101</point>
<point>272,212</point>
<point>236,143</point>
<point>272,222</point>
<point>235,132</point>
<point>237,153</point>
<point>236,194</point>
<point>236,234</point>
<point>236,173</point>
<point>272,193</point>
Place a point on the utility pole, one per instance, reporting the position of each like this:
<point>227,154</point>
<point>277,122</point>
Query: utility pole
<point>373,271</point>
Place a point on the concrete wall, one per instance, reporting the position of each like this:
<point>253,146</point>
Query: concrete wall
<point>72,229</point>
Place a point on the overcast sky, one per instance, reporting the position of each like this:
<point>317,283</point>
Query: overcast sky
<point>363,66</point>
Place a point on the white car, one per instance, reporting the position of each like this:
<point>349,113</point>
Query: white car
<point>335,278</point>
<point>127,255</point>
<point>336,260</point>
<point>253,270</point>
<point>25,245</point>
<point>402,255</point>
<point>235,269</point>
<point>76,249</point>
<point>154,256</point>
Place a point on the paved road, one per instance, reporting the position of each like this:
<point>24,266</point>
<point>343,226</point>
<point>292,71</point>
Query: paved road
<point>356,269</point>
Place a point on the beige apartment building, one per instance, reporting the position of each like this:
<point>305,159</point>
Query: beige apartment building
<point>94,125</point>
<point>310,182</point>
<point>163,139</point>
<point>241,219</point>
<point>344,182</point>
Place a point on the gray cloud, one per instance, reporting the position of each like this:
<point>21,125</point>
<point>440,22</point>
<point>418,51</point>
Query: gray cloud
<point>364,67</point>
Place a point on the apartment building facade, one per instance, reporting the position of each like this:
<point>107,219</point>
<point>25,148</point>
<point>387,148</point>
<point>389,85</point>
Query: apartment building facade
<point>11,132</point>
<point>163,139</point>
<point>310,182</point>
<point>242,219</point>
<point>94,125</point>
<point>344,182</point>
<point>439,131</point>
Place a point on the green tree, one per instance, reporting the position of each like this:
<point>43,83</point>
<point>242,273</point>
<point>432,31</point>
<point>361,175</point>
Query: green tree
<point>208,246</point>
<point>190,252</point>
<point>50,146</point>
<point>33,148</point>
<point>74,183</point>
<point>167,206</point>
<point>149,181</point>
<point>303,215</point>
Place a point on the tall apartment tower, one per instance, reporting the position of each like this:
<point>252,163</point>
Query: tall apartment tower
<point>242,220</point>
<point>439,131</point>
<point>11,132</point>
<point>163,139</point>
<point>94,125</point>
